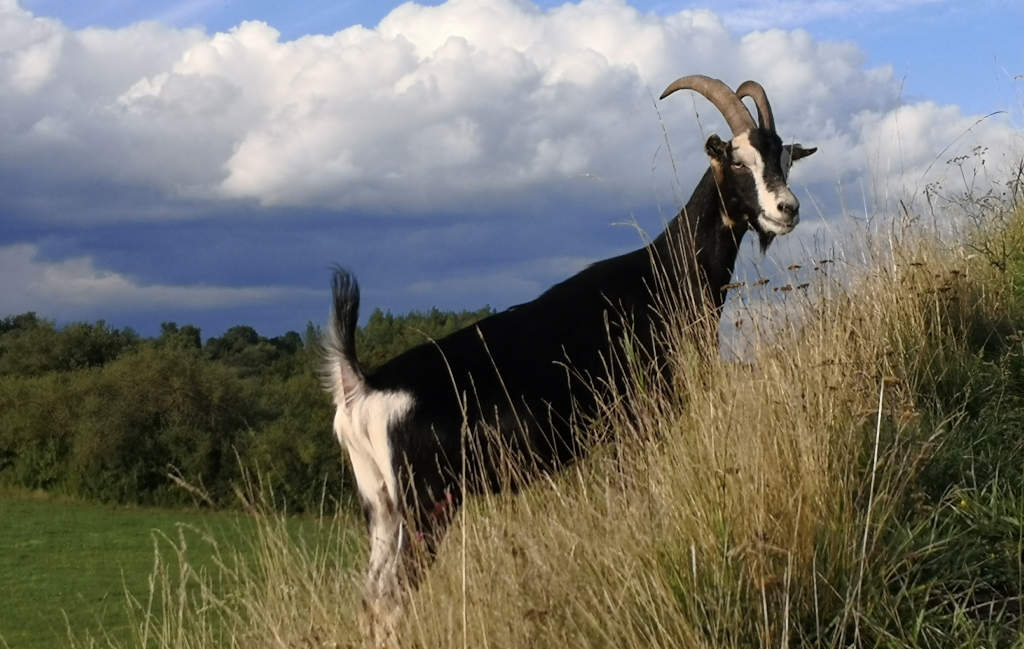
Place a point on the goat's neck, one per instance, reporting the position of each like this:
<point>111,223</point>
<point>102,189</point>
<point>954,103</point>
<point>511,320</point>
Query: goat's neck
<point>698,248</point>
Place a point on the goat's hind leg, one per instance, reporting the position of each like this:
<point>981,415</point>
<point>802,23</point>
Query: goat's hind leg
<point>384,590</point>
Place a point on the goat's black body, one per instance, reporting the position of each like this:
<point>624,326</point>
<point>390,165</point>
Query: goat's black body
<point>525,371</point>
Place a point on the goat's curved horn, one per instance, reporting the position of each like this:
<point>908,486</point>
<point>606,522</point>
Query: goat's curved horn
<point>719,94</point>
<point>753,89</point>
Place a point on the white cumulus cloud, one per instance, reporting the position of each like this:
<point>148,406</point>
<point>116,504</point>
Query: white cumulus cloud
<point>458,106</point>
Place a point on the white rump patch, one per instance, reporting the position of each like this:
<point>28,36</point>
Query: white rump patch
<point>362,423</point>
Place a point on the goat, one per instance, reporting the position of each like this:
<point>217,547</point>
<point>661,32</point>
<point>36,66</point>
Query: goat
<point>413,427</point>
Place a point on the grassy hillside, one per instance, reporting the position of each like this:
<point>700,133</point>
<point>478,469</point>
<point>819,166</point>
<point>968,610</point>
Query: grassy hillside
<point>859,482</point>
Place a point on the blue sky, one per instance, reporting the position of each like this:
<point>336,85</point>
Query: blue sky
<point>171,161</point>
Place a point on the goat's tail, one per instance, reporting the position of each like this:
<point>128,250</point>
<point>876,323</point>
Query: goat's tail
<point>342,375</point>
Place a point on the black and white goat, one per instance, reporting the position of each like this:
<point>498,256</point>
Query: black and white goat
<point>413,427</point>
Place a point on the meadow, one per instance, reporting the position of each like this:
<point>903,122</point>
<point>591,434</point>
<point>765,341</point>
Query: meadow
<point>72,561</point>
<point>71,568</point>
<point>854,479</point>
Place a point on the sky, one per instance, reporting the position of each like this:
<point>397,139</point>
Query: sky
<point>207,161</point>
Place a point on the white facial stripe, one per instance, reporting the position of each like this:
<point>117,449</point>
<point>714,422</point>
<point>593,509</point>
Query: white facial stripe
<point>770,218</point>
<point>745,152</point>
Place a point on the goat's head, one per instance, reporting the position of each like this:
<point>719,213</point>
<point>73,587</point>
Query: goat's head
<point>751,169</point>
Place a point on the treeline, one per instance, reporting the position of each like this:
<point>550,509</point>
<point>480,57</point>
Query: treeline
<point>104,414</point>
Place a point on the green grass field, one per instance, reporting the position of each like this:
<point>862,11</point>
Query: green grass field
<point>69,564</point>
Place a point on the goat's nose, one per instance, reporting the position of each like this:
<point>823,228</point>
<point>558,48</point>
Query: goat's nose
<point>790,209</point>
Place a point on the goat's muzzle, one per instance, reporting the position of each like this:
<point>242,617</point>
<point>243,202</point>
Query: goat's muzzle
<point>790,209</point>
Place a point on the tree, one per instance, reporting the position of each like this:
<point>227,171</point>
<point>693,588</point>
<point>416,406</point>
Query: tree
<point>188,336</point>
<point>30,345</point>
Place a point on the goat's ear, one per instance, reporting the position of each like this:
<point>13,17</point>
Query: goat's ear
<point>717,149</point>
<point>796,151</point>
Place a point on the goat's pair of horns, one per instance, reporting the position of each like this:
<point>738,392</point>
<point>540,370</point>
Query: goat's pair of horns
<point>729,103</point>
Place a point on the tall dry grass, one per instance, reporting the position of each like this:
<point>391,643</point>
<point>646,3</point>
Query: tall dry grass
<point>788,500</point>
<point>750,504</point>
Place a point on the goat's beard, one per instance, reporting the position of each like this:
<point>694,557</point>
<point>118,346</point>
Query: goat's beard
<point>764,239</point>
